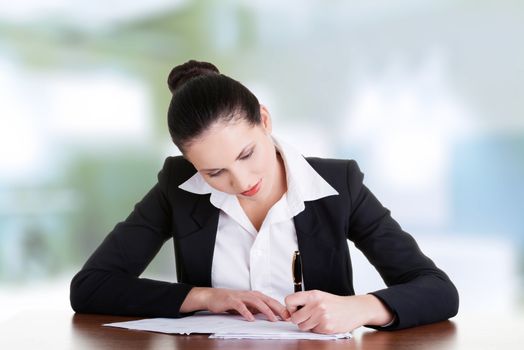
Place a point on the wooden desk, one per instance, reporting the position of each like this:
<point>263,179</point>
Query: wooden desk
<point>66,330</point>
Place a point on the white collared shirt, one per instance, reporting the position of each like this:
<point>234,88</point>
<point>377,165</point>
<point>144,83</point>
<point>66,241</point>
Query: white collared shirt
<point>245,259</point>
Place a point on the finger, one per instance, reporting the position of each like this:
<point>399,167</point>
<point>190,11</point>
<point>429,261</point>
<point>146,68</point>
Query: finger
<point>286,316</point>
<point>324,328</point>
<point>293,301</point>
<point>302,315</point>
<point>242,309</point>
<point>277,308</point>
<point>262,307</point>
<point>312,322</point>
<point>315,325</point>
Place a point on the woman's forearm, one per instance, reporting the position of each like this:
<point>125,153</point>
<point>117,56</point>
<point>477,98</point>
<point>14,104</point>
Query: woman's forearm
<point>196,299</point>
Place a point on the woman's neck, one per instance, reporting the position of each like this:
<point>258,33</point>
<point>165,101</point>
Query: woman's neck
<point>257,211</point>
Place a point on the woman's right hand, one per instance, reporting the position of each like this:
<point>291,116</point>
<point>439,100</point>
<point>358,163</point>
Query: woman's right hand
<point>245,303</point>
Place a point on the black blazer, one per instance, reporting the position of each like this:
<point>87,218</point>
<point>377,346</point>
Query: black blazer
<point>418,292</point>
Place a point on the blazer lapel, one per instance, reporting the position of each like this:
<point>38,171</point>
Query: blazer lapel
<point>198,243</point>
<point>316,248</point>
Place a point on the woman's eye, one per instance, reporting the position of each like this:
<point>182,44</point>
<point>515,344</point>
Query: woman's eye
<point>241,158</point>
<point>215,174</point>
<point>247,155</point>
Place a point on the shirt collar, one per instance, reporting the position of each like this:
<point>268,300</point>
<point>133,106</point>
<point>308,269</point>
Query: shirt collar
<point>303,182</point>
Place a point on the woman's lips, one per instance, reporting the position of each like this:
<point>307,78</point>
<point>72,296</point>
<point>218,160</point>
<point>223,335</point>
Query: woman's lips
<point>253,190</point>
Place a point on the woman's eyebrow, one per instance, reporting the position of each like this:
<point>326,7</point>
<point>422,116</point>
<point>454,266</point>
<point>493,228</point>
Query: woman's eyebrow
<point>238,157</point>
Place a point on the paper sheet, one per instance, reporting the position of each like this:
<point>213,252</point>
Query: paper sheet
<point>225,326</point>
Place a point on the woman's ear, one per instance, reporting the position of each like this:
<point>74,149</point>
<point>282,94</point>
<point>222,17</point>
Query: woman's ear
<point>265,119</point>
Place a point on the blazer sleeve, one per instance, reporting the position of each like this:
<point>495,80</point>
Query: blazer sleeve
<point>417,291</point>
<point>109,281</point>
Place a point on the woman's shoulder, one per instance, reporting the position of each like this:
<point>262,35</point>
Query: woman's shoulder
<point>177,169</point>
<point>333,165</point>
<point>338,172</point>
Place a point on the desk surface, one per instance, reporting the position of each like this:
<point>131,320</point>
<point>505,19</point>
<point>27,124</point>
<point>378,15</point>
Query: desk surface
<point>66,330</point>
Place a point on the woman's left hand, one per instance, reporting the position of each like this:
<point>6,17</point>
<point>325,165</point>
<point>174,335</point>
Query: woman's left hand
<point>327,313</point>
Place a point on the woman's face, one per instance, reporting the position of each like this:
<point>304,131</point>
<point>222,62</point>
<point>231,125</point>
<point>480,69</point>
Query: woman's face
<point>237,158</point>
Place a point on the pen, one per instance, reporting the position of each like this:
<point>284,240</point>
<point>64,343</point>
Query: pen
<point>296,267</point>
<point>297,271</point>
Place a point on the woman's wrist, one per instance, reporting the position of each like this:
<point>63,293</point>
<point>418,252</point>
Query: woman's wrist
<point>196,299</point>
<point>379,315</point>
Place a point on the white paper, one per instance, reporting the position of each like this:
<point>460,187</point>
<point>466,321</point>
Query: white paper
<point>226,326</point>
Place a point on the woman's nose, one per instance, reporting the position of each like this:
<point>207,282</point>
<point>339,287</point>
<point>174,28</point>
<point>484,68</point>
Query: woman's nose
<point>239,181</point>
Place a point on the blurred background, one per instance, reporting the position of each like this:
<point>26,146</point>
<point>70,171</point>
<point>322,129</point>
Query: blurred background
<point>427,96</point>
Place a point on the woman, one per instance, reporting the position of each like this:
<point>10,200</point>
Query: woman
<point>238,204</point>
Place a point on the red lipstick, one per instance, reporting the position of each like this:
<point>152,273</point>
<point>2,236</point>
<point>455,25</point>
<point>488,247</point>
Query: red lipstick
<point>253,190</point>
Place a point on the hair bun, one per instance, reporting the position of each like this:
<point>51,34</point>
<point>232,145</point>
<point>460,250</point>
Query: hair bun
<point>187,71</point>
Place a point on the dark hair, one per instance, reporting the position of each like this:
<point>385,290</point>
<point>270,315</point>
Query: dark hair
<point>201,97</point>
